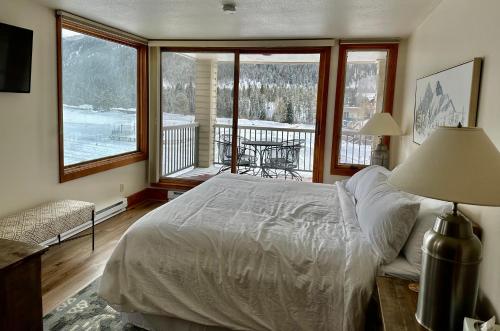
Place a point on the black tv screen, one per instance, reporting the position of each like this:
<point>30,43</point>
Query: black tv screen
<point>15,58</point>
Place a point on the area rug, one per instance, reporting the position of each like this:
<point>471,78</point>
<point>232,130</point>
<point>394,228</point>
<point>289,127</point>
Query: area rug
<point>85,311</point>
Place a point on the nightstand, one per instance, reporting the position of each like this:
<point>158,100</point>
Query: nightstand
<point>20,286</point>
<point>397,304</point>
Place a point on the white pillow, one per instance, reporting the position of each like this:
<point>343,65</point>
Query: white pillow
<point>386,217</point>
<point>362,181</point>
<point>430,209</point>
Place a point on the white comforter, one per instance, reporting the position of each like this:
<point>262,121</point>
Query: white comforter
<point>247,253</point>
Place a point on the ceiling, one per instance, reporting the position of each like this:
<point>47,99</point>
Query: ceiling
<point>255,19</point>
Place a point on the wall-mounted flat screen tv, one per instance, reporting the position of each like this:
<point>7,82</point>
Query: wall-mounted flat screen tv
<point>15,58</point>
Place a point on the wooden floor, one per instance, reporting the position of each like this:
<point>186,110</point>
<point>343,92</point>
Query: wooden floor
<point>69,267</point>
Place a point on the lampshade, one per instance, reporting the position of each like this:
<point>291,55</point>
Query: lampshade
<point>381,124</point>
<point>460,165</point>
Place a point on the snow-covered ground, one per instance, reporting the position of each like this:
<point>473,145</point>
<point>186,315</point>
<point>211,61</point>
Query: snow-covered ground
<point>90,135</point>
<point>178,119</point>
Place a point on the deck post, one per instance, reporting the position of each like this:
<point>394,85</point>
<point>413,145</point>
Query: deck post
<point>197,146</point>
<point>205,109</point>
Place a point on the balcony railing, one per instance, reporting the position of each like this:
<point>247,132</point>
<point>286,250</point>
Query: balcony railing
<point>355,148</point>
<point>306,155</point>
<point>124,132</point>
<point>180,147</point>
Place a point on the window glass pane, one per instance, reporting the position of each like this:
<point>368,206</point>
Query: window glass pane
<point>99,82</point>
<point>365,79</point>
<point>197,110</point>
<point>277,113</point>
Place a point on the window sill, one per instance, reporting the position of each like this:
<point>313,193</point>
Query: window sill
<point>92,167</point>
<point>346,170</point>
<point>181,184</point>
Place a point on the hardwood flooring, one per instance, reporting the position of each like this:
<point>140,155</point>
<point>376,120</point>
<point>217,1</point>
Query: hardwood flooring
<point>69,267</point>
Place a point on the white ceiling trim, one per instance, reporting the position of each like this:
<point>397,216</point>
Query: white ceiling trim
<point>244,43</point>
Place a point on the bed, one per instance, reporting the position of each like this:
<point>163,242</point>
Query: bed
<point>246,253</point>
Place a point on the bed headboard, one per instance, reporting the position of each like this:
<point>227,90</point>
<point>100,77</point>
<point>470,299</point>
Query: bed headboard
<point>475,227</point>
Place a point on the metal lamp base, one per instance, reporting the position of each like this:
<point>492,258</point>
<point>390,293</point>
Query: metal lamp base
<point>449,278</point>
<point>380,155</point>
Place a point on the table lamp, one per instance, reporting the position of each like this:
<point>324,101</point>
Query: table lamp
<point>381,124</point>
<point>460,165</point>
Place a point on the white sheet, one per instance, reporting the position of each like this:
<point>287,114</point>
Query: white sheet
<point>247,253</point>
<point>400,268</point>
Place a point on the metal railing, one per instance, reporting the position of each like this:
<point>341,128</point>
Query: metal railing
<point>124,132</point>
<point>179,147</point>
<point>306,155</point>
<point>355,148</point>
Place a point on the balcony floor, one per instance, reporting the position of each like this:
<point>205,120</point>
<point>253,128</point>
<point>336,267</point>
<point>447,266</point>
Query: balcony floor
<point>206,173</point>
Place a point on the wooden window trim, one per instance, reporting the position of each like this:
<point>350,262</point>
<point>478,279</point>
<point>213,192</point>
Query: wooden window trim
<point>67,173</point>
<point>392,56</point>
<point>321,109</point>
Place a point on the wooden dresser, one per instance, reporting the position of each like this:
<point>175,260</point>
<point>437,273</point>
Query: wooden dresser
<point>397,304</point>
<point>20,286</point>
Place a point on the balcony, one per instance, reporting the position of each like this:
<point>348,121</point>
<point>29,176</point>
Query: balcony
<point>181,150</point>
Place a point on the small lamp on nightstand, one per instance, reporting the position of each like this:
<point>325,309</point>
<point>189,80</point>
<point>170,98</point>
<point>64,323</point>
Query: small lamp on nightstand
<point>460,165</point>
<point>381,124</point>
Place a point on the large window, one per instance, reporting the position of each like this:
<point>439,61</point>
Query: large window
<point>102,108</point>
<point>365,86</point>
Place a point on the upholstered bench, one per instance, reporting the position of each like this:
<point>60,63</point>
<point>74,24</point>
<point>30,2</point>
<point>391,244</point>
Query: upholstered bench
<point>47,221</point>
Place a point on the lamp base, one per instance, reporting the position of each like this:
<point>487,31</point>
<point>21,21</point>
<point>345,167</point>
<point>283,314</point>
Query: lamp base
<point>451,254</point>
<point>380,155</point>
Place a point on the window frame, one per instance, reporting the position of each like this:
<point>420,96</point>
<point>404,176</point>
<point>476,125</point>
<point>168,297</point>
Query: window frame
<point>321,104</point>
<point>336,168</point>
<point>74,171</point>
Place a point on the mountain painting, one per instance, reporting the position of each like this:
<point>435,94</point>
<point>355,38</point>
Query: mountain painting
<point>446,98</point>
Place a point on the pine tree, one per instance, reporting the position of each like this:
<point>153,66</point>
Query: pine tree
<point>289,115</point>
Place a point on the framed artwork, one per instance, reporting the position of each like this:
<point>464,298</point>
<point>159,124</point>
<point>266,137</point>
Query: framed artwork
<point>447,98</point>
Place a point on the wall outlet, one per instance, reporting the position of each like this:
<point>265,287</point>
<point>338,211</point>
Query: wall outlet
<point>122,188</point>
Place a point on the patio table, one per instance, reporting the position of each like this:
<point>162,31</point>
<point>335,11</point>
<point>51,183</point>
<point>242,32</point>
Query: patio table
<point>259,146</point>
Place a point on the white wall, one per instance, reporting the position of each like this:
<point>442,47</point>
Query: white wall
<point>457,31</point>
<point>28,130</point>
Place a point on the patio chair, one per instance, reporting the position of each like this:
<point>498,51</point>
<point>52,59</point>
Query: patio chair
<point>283,160</point>
<point>245,162</point>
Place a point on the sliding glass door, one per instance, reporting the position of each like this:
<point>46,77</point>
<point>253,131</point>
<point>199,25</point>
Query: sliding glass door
<point>243,111</point>
<point>196,97</point>
<point>277,109</point>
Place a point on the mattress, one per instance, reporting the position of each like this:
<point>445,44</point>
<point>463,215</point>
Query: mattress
<point>247,253</point>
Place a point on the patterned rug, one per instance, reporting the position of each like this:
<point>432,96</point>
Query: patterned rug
<point>85,311</point>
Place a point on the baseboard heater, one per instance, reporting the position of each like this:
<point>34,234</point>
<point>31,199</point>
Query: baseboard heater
<point>100,216</point>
